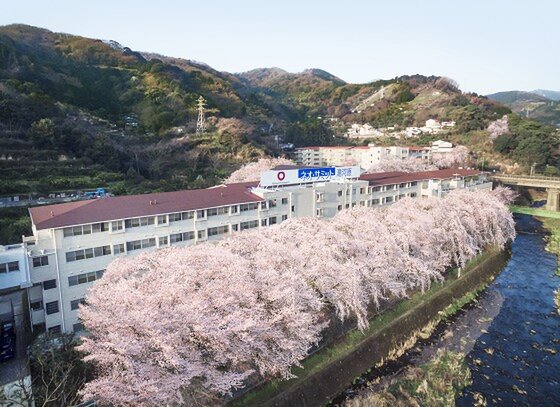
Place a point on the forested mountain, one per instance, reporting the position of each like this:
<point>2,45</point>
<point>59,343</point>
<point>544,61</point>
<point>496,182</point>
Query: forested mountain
<point>540,105</point>
<point>549,94</point>
<point>79,113</point>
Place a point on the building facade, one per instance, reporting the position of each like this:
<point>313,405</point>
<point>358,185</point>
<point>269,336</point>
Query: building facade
<point>364,156</point>
<point>74,242</point>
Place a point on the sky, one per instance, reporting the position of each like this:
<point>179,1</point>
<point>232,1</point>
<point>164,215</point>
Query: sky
<point>486,46</point>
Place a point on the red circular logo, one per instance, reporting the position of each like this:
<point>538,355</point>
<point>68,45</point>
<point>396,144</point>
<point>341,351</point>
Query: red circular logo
<point>281,175</point>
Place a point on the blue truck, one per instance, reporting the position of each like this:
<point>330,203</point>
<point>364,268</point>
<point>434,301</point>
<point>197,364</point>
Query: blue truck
<point>98,193</point>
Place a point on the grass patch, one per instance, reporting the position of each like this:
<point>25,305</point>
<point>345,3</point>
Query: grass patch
<point>437,383</point>
<point>535,212</point>
<point>552,240</point>
<point>348,343</point>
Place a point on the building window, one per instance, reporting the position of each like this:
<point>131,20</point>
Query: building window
<point>347,206</point>
<point>52,307</point>
<point>85,278</point>
<point>117,225</point>
<point>234,209</point>
<point>403,185</point>
<point>219,230</point>
<point>263,222</point>
<point>100,227</point>
<point>234,228</point>
<point>41,261</point>
<point>174,217</point>
<point>163,241</point>
<point>77,327</point>
<point>375,201</point>
<point>362,191</point>
<point>88,253</point>
<point>284,217</point>
<point>49,284</point>
<point>140,244</point>
<point>9,267</point>
<point>118,248</point>
<point>177,217</point>
<point>86,229</point>
<point>75,304</point>
<point>272,221</point>
<point>293,208</point>
<point>137,222</point>
<point>55,329</point>
<point>339,207</point>
<point>376,189</point>
<point>248,207</point>
<point>284,201</point>
<point>339,193</point>
<point>272,203</point>
<point>162,220</point>
<point>249,225</point>
<point>413,183</point>
<point>388,199</point>
<point>36,305</point>
<point>201,234</point>
<point>201,214</point>
<point>217,211</point>
<point>181,237</point>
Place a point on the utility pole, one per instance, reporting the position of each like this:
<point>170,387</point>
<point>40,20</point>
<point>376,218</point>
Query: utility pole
<point>201,122</point>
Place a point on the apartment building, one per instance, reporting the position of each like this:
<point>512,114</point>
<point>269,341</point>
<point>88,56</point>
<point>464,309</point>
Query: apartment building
<point>73,243</point>
<point>364,156</point>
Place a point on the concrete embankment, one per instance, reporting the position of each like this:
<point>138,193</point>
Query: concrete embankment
<point>331,369</point>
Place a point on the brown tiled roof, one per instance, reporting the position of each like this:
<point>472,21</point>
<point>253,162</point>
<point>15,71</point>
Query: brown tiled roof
<point>130,206</point>
<point>389,178</point>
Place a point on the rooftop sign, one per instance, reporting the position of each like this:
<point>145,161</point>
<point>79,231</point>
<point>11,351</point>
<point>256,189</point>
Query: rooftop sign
<point>305,175</point>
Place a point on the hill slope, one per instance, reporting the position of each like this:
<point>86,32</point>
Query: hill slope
<point>78,112</point>
<point>532,105</point>
<point>93,110</point>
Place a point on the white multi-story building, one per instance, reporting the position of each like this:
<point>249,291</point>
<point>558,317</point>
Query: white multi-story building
<point>364,156</point>
<point>441,146</point>
<point>73,242</point>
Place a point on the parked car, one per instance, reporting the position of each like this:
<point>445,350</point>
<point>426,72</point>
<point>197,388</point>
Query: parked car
<point>7,341</point>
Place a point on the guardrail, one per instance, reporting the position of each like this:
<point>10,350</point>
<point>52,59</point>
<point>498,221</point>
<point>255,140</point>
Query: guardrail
<point>535,177</point>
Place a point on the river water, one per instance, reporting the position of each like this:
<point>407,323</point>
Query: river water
<point>510,333</point>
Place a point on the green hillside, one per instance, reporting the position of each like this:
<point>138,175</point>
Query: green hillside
<point>541,105</point>
<point>79,113</point>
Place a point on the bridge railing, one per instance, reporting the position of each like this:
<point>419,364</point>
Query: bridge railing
<point>536,177</point>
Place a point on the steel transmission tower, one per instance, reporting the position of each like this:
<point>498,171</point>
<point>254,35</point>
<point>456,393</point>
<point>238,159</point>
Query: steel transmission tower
<point>201,122</point>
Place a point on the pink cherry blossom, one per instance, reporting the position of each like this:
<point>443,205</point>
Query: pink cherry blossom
<point>252,171</point>
<point>255,304</point>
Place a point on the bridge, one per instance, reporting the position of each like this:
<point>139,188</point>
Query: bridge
<point>551,184</point>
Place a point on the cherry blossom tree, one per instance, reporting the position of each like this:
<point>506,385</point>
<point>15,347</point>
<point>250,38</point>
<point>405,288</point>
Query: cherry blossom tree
<point>410,164</point>
<point>252,171</point>
<point>166,324</point>
<point>505,194</point>
<point>498,127</point>
<point>458,157</point>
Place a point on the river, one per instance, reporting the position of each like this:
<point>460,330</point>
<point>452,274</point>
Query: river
<point>510,333</point>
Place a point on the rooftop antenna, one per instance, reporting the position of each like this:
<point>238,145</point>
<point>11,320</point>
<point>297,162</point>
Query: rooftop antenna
<point>201,122</point>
